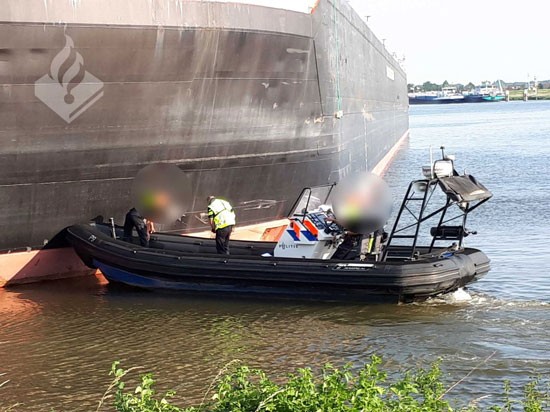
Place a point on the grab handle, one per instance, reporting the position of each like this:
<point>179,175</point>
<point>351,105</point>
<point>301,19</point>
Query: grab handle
<point>113,231</point>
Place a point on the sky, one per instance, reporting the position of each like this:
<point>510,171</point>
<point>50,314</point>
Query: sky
<point>460,41</point>
<point>464,41</point>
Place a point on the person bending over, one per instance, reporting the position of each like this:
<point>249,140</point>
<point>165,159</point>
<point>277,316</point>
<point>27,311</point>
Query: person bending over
<point>222,219</point>
<point>134,220</point>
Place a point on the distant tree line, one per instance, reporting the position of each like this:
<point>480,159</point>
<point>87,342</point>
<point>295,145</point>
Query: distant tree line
<point>434,87</point>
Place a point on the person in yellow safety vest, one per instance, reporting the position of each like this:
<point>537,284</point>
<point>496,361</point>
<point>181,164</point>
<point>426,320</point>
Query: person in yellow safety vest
<point>222,220</point>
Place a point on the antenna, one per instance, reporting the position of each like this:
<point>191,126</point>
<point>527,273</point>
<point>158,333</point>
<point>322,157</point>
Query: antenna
<point>431,161</point>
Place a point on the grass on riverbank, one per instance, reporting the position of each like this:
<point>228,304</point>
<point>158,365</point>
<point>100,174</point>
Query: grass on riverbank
<point>242,389</point>
<point>542,94</point>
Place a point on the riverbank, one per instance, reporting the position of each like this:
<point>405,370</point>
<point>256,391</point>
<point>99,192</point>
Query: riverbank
<point>542,94</point>
<point>241,388</point>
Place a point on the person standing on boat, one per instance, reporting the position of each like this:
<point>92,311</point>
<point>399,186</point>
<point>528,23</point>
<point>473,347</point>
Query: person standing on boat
<point>134,220</point>
<point>222,219</point>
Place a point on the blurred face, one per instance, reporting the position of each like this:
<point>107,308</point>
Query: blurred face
<point>162,192</point>
<point>362,202</point>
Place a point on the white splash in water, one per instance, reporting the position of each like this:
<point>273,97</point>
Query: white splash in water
<point>459,295</point>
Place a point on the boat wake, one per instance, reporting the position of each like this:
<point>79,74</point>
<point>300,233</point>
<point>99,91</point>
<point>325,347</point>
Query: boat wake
<point>458,296</point>
<point>462,296</point>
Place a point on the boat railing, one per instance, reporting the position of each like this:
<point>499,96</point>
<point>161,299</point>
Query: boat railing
<point>461,193</point>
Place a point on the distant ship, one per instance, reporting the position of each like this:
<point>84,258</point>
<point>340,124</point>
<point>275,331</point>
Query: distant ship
<point>487,92</point>
<point>445,96</point>
<point>253,103</point>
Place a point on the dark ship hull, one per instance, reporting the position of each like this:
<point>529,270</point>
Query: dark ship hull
<point>253,103</point>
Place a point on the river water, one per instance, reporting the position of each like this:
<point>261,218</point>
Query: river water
<point>57,340</point>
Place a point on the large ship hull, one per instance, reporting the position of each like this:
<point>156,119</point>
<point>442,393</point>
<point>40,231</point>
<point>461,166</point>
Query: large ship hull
<point>253,103</point>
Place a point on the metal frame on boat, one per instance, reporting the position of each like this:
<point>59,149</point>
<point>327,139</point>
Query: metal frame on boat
<point>464,193</point>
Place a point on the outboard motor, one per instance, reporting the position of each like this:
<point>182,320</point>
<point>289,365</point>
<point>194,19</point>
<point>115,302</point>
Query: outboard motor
<point>310,236</point>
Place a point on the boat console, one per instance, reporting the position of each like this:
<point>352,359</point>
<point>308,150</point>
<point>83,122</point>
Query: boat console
<point>310,236</point>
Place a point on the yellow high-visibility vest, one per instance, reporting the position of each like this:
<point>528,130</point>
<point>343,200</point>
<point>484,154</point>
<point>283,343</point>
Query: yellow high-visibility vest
<point>222,213</point>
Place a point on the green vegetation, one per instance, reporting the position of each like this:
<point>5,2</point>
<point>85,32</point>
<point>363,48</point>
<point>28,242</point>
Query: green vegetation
<point>240,388</point>
<point>433,87</point>
<point>542,94</point>
<point>430,87</point>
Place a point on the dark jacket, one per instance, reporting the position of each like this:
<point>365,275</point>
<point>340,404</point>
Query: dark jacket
<point>135,220</point>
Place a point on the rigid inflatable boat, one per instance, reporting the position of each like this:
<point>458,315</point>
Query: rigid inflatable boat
<point>298,266</point>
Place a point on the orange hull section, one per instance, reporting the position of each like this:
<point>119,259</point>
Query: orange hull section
<point>38,265</point>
